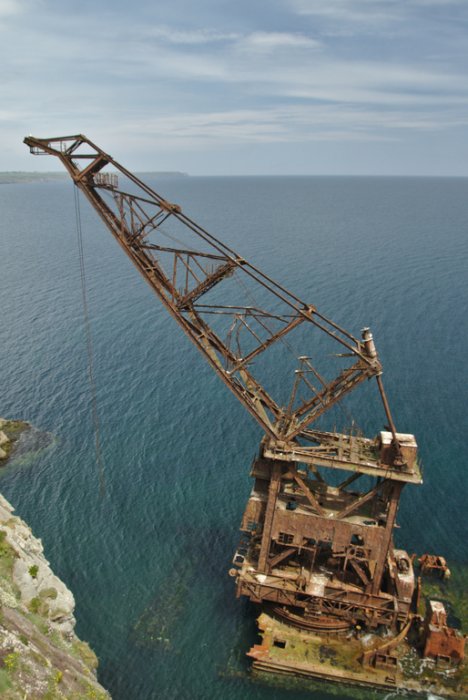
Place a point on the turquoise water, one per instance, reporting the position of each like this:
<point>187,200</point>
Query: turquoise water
<point>148,561</point>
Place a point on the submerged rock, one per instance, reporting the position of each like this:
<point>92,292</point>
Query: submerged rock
<point>40,654</point>
<point>19,438</point>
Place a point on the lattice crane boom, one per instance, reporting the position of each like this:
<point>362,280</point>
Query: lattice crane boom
<point>187,274</point>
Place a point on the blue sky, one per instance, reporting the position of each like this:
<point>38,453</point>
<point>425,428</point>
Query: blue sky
<point>238,87</point>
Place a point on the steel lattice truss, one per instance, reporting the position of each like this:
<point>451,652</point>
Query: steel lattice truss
<point>233,338</point>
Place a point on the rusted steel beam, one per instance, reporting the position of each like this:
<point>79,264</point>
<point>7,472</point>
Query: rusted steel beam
<point>245,360</point>
<point>204,286</point>
<point>293,452</point>
<point>357,605</point>
<point>394,499</point>
<point>360,571</point>
<point>349,480</point>
<point>94,167</point>
<point>308,493</point>
<point>398,459</point>
<point>360,501</point>
<point>165,249</point>
<point>335,391</point>
<point>273,561</point>
<point>273,491</point>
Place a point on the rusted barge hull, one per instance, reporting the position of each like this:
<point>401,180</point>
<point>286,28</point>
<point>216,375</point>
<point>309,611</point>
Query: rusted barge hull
<point>300,654</point>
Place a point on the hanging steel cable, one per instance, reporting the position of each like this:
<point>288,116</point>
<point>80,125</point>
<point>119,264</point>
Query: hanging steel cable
<point>89,346</point>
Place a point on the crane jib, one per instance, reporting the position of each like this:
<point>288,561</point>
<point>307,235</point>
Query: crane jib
<point>192,270</point>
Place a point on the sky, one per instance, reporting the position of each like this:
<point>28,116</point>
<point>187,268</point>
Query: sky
<point>234,87</point>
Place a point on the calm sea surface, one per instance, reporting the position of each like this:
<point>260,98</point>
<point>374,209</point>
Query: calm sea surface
<point>148,561</point>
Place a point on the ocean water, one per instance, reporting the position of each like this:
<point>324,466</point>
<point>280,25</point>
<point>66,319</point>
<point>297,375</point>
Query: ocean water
<point>148,559</point>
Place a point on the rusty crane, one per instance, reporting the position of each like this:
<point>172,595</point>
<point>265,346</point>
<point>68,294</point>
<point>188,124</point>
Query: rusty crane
<point>316,548</point>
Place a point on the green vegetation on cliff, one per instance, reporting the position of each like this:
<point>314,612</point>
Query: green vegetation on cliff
<point>40,655</point>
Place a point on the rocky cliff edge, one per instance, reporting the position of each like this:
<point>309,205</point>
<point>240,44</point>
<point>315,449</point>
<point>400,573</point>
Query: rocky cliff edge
<point>40,655</point>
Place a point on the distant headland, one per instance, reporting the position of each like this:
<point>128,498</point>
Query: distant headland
<point>19,177</point>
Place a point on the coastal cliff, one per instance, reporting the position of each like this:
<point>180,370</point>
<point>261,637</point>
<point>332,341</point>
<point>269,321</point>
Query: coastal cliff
<point>40,654</point>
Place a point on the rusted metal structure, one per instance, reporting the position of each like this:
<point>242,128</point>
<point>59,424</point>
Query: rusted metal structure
<point>434,564</point>
<point>316,548</point>
<point>442,643</point>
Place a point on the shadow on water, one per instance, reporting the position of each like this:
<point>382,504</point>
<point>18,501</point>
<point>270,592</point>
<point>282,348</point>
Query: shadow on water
<point>157,626</point>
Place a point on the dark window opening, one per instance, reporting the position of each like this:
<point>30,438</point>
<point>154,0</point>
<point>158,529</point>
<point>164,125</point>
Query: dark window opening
<point>357,539</point>
<point>279,643</point>
<point>285,538</point>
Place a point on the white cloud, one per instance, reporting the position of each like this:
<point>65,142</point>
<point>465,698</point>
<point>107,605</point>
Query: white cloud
<point>173,35</point>
<point>438,3</point>
<point>355,17</point>
<point>280,70</point>
<point>295,123</point>
<point>98,67</point>
<point>9,8</point>
<point>271,41</point>
<point>356,11</point>
<point>252,41</point>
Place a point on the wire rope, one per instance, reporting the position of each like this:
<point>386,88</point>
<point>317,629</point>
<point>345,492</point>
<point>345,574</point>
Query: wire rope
<point>89,347</point>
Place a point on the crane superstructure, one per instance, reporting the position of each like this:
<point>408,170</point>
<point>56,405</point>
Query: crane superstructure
<point>313,550</point>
